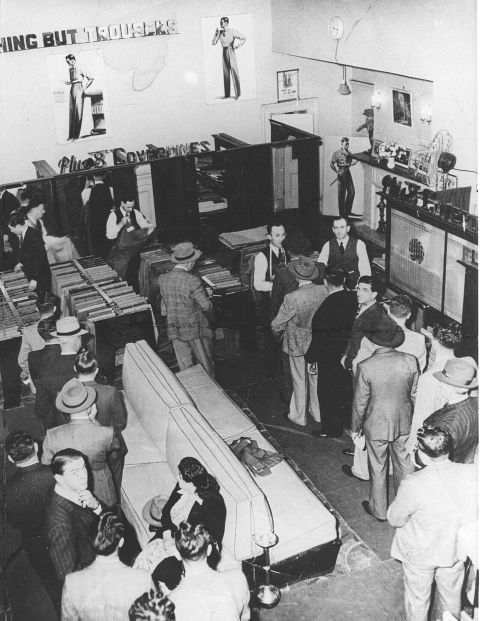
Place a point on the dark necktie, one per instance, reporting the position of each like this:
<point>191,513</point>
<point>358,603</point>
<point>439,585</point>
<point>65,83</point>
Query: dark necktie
<point>358,312</point>
<point>342,249</point>
<point>281,257</point>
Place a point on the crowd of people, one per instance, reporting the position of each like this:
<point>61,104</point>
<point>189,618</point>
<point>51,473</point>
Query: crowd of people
<point>349,361</point>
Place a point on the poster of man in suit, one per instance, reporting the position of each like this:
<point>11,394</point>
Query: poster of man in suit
<point>229,61</point>
<point>78,90</point>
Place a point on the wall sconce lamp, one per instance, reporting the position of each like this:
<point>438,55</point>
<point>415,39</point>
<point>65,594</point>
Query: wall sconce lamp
<point>426,114</point>
<point>377,100</point>
<point>344,89</point>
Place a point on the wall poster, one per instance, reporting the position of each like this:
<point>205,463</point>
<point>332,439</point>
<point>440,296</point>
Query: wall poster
<point>78,90</point>
<point>229,58</point>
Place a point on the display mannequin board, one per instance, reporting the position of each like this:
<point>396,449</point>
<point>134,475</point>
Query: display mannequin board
<point>329,192</point>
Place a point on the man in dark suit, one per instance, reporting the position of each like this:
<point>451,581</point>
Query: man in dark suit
<point>384,393</point>
<point>460,416</point>
<point>8,204</point>
<point>60,369</point>
<point>27,494</point>
<point>369,314</point>
<point>71,514</point>
<point>111,412</point>
<point>188,310</point>
<point>331,329</point>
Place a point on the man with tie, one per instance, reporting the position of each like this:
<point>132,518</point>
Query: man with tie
<point>343,251</point>
<point>266,265</point>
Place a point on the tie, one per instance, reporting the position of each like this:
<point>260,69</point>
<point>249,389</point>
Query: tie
<point>358,312</point>
<point>342,249</point>
<point>281,257</point>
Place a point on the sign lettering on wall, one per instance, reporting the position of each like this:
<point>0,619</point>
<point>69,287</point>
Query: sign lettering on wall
<point>88,34</point>
<point>119,156</point>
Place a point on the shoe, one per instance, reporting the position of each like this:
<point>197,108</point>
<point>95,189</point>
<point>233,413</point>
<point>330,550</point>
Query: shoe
<point>318,433</point>
<point>348,452</point>
<point>285,416</point>
<point>366,508</point>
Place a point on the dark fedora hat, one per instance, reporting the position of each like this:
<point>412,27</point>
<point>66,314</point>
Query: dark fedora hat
<point>75,397</point>
<point>387,333</point>
<point>458,373</point>
<point>296,241</point>
<point>185,252</point>
<point>303,269</point>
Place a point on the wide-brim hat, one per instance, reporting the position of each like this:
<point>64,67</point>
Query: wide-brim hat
<point>185,252</point>
<point>75,397</point>
<point>297,242</point>
<point>387,333</point>
<point>304,269</point>
<point>458,373</point>
<point>68,326</point>
<point>152,511</point>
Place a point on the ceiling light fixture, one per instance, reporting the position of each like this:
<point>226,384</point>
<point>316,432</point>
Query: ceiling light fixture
<point>344,89</point>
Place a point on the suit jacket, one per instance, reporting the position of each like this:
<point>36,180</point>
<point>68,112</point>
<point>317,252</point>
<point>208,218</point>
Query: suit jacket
<point>66,529</point>
<point>54,370</point>
<point>363,325</point>
<point>294,318</point>
<point>33,257</point>
<point>211,512</point>
<point>332,328</point>
<point>28,492</point>
<point>189,310</point>
<point>384,393</point>
<point>283,283</point>
<point>104,590</point>
<point>430,506</point>
<point>111,411</point>
<point>461,422</point>
<point>93,441</point>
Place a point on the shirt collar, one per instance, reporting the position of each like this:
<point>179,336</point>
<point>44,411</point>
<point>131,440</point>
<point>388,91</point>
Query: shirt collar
<point>342,241</point>
<point>275,249</point>
<point>68,495</point>
<point>180,267</point>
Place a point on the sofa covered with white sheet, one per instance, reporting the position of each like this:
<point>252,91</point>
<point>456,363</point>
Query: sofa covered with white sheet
<point>171,417</point>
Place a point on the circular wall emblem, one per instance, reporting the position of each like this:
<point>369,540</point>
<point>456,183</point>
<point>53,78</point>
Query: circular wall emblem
<point>416,250</point>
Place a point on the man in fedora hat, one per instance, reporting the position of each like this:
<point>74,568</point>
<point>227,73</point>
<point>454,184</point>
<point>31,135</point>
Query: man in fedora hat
<point>52,376</point>
<point>384,393</point>
<point>294,322</point>
<point>285,282</point>
<point>460,416</point>
<point>188,310</point>
<point>84,434</point>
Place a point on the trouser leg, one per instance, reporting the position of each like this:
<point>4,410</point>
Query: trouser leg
<point>360,464</point>
<point>298,402</point>
<point>378,467</point>
<point>449,582</point>
<point>350,192</point>
<point>184,354</point>
<point>226,72</point>
<point>203,352</point>
<point>418,588</point>
<point>313,403</point>
<point>401,462</point>
<point>235,74</point>
<point>287,387</point>
<point>341,196</point>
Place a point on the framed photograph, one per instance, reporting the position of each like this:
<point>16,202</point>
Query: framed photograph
<point>376,146</point>
<point>287,85</point>
<point>402,158</point>
<point>402,107</point>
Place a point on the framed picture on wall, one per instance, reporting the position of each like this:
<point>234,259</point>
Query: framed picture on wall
<point>402,158</point>
<point>402,107</point>
<point>376,146</point>
<point>287,85</point>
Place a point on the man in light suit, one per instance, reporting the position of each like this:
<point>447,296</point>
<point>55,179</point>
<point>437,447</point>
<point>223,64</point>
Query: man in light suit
<point>294,321</point>
<point>430,508</point>
<point>107,588</point>
<point>385,388</point>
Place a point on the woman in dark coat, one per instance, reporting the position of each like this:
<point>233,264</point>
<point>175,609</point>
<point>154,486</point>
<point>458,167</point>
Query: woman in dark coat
<point>196,498</point>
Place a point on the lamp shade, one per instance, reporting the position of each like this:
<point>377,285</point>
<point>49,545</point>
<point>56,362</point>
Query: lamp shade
<point>446,161</point>
<point>344,89</point>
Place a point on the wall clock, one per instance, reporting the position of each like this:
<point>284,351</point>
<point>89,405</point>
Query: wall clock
<point>336,27</point>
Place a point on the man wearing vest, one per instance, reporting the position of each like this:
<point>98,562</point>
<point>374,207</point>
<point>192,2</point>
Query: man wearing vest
<point>266,263</point>
<point>346,252</point>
